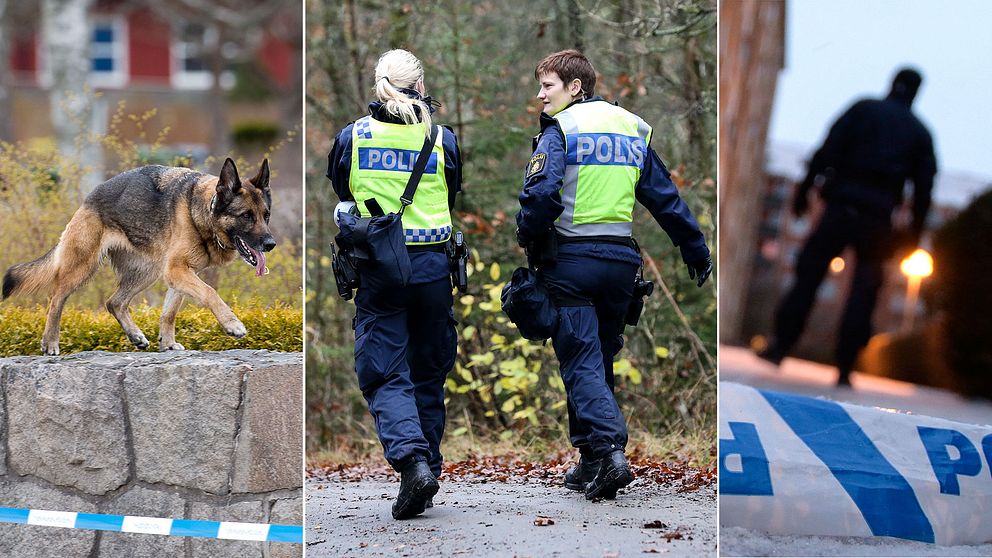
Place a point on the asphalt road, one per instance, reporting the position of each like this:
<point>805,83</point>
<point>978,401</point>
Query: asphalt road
<point>500,519</point>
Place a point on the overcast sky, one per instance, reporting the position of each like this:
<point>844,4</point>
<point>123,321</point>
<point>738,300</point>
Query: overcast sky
<point>842,50</point>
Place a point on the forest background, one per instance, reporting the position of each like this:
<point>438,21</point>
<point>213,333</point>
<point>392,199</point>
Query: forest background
<point>657,58</point>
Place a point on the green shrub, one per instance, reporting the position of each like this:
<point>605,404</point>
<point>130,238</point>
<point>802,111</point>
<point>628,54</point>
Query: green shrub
<point>962,268</point>
<point>251,133</point>
<point>277,328</point>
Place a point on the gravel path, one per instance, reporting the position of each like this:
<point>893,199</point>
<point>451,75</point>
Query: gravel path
<point>476,519</point>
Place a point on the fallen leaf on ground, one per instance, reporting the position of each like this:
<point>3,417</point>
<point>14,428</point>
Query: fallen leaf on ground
<point>542,521</point>
<point>510,468</point>
<point>656,524</point>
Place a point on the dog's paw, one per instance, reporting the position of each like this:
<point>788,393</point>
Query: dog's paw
<point>50,349</point>
<point>171,347</point>
<point>139,340</point>
<point>235,329</point>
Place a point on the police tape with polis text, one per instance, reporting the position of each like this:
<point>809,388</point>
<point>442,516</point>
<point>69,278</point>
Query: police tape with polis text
<point>795,465</point>
<point>377,243</point>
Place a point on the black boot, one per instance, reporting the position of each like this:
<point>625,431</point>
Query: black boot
<point>843,377</point>
<point>772,353</point>
<point>614,474</point>
<point>581,474</point>
<point>417,487</point>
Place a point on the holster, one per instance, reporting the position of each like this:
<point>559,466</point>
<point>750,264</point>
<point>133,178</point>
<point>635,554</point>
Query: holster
<point>543,251</point>
<point>457,252</point>
<point>345,272</point>
<point>642,289</point>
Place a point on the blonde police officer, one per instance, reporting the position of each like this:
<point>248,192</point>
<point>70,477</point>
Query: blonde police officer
<point>404,337</point>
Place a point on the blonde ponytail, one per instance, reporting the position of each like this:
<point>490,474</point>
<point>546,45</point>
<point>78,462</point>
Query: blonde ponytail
<point>400,69</point>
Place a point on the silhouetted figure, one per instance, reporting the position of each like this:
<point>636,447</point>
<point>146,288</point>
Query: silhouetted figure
<point>863,165</point>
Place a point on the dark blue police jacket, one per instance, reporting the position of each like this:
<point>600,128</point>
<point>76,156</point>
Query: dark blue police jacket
<point>540,202</point>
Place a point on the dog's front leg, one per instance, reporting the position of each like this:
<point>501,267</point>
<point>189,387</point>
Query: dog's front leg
<point>167,325</point>
<point>180,277</point>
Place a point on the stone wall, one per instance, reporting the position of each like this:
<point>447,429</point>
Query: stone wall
<point>191,435</point>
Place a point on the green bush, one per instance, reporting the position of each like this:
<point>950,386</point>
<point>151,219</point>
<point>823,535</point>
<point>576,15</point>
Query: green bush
<point>277,328</point>
<point>254,133</point>
<point>962,267</point>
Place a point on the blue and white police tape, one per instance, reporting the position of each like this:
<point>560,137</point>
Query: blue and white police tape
<point>794,465</point>
<point>155,525</point>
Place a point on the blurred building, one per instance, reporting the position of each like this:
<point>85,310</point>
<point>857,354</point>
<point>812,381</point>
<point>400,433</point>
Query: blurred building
<point>752,52</point>
<point>153,57</point>
<point>781,237</point>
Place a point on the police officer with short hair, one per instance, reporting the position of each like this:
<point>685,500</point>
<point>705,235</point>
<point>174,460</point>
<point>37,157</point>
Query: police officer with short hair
<point>591,161</point>
<point>869,154</point>
<point>405,338</point>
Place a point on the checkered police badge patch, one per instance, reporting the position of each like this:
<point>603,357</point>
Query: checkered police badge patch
<point>536,164</point>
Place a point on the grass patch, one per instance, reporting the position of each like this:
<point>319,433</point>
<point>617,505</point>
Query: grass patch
<point>278,328</point>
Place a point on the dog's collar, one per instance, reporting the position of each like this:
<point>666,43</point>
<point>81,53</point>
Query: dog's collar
<point>213,203</point>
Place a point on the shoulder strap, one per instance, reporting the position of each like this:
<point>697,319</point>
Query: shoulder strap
<point>418,170</point>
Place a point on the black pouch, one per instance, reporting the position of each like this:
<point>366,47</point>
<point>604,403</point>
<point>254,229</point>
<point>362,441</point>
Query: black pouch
<point>379,240</point>
<point>379,245</point>
<point>390,260</point>
<point>528,305</point>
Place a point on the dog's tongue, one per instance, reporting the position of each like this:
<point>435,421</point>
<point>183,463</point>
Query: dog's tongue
<point>260,268</point>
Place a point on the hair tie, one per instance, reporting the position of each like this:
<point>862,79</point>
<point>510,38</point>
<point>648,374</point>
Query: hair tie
<point>385,78</point>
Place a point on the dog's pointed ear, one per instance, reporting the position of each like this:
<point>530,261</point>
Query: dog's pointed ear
<point>229,182</point>
<point>228,185</point>
<point>261,180</point>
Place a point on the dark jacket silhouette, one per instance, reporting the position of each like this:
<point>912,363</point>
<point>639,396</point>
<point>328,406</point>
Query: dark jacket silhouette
<point>863,165</point>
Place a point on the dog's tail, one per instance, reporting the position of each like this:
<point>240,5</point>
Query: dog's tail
<point>27,278</point>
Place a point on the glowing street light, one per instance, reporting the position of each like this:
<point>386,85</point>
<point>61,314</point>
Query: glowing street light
<point>837,264</point>
<point>918,264</point>
<point>915,267</point>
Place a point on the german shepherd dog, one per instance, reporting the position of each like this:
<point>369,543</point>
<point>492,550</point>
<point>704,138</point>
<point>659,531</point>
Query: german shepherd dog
<point>155,222</point>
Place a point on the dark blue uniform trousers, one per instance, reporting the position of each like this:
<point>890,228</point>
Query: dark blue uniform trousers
<point>405,344</point>
<point>586,339</point>
<point>871,237</point>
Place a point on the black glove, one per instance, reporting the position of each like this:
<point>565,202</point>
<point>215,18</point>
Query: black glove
<point>700,270</point>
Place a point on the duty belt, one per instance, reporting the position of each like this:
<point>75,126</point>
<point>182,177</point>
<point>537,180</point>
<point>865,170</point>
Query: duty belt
<point>414,248</point>
<point>621,240</point>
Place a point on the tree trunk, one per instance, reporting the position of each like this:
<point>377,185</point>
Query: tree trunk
<point>6,126</point>
<point>699,141</point>
<point>71,102</point>
<point>218,108</point>
<point>575,24</point>
<point>351,40</point>
<point>455,47</point>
